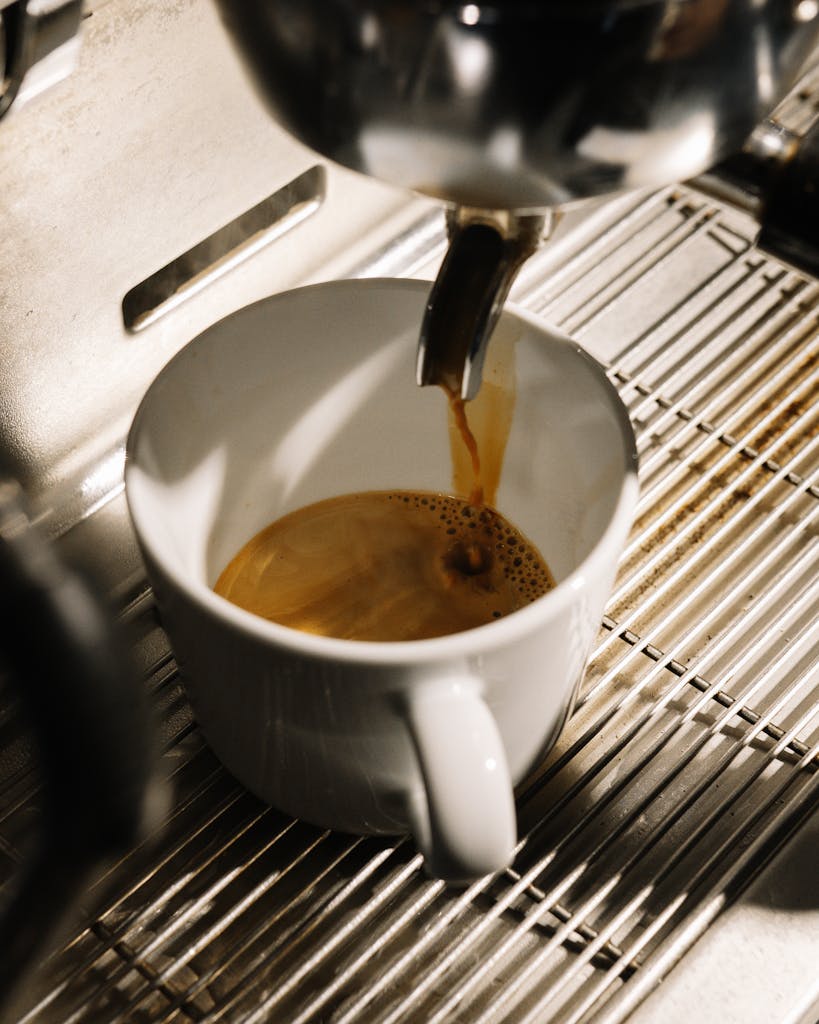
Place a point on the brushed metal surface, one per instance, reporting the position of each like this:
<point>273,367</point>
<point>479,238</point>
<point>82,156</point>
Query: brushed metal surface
<point>154,143</point>
<point>665,863</point>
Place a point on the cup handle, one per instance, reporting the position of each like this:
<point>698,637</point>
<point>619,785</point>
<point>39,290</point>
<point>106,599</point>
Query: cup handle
<point>464,818</point>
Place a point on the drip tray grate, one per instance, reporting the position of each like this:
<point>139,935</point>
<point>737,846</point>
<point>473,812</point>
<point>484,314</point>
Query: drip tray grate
<point>693,750</point>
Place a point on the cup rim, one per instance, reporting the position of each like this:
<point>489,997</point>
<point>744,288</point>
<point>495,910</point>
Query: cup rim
<point>465,644</point>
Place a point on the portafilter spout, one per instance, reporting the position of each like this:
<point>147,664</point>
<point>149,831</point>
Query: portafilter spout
<point>486,250</point>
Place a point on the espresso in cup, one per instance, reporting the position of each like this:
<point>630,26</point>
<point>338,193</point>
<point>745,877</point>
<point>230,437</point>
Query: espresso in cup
<point>386,565</point>
<point>401,565</point>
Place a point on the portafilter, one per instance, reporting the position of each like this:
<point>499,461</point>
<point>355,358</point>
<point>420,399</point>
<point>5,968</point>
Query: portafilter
<point>510,110</point>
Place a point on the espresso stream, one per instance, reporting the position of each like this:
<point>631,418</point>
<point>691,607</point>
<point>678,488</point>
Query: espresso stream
<point>402,565</point>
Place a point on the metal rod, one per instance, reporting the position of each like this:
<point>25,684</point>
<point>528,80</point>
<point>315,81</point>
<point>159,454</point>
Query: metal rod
<point>684,531</point>
<point>661,828</point>
<point>723,334</point>
<point>684,234</point>
<point>565,883</point>
<point>686,421</point>
<point>273,878</point>
<point>262,1012</point>
<point>635,692</point>
<point>710,904</point>
<point>613,238</point>
<point>647,890</point>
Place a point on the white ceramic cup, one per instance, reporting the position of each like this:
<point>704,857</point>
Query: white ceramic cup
<point>310,394</point>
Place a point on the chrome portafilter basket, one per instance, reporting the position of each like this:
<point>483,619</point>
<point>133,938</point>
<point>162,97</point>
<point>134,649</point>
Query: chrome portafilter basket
<point>508,111</point>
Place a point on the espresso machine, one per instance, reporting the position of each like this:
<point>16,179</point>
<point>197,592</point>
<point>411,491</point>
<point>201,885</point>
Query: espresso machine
<point>523,120</point>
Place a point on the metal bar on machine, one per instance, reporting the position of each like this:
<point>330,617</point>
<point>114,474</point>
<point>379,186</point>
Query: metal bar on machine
<point>226,248</point>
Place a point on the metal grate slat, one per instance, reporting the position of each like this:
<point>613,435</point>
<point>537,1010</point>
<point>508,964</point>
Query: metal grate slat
<point>627,705</point>
<point>678,811</point>
<point>456,953</point>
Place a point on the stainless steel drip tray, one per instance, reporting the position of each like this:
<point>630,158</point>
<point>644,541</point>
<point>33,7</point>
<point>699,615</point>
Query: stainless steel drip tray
<point>690,764</point>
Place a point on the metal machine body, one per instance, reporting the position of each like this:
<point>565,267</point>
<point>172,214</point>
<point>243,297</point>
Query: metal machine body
<point>522,105</point>
<point>506,109</point>
<point>667,866</point>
